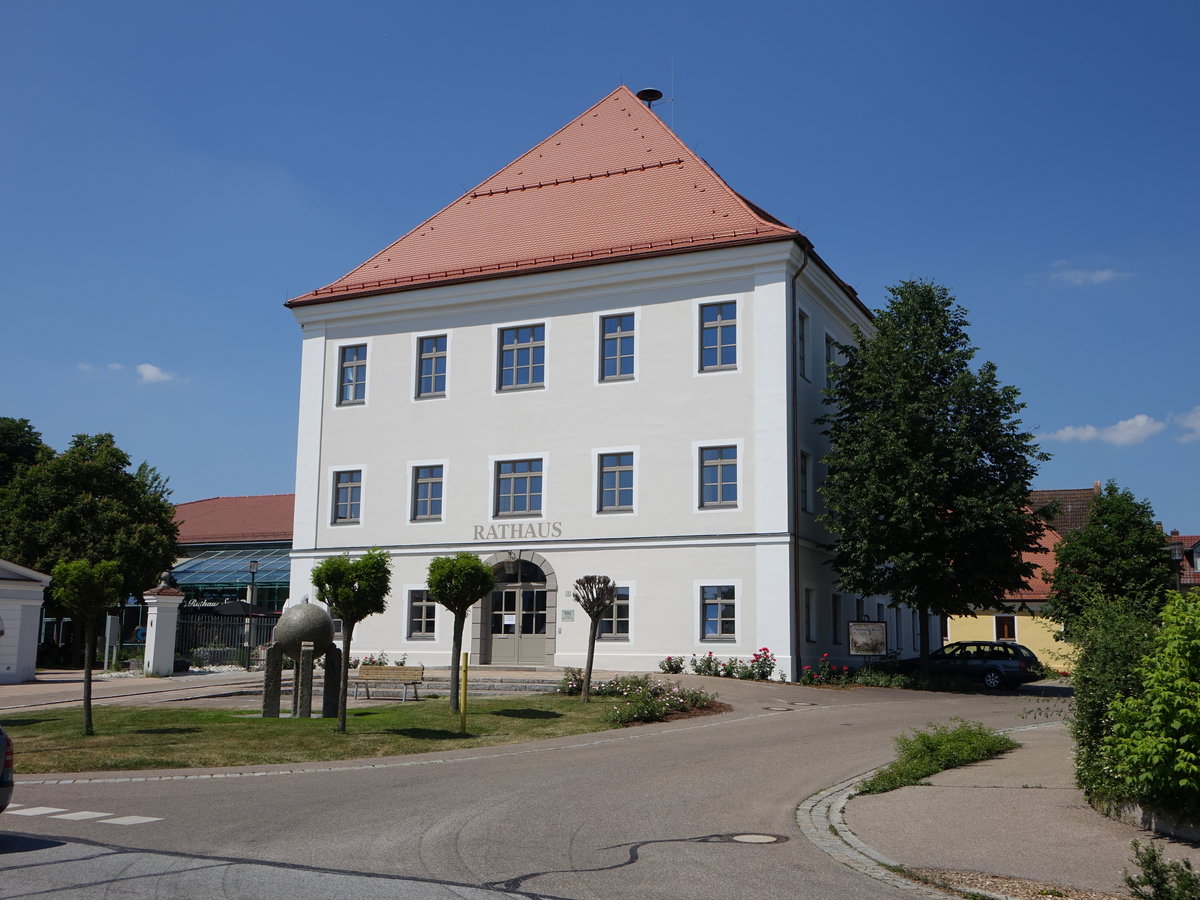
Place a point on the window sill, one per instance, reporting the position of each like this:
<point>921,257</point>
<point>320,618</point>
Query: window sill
<point>422,637</point>
<point>720,640</point>
<point>516,389</point>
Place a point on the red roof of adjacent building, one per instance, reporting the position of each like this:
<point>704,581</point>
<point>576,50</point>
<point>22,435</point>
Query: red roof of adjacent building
<point>615,183</point>
<point>225,520</point>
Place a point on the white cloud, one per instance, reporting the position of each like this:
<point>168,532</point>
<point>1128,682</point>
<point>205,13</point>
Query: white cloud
<point>1124,434</point>
<point>1062,271</point>
<point>115,367</point>
<point>1190,423</point>
<point>149,374</point>
<point>85,367</point>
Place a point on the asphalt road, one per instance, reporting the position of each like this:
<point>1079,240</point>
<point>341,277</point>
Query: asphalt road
<point>658,811</point>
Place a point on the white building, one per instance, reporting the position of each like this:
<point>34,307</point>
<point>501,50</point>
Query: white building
<point>602,360</point>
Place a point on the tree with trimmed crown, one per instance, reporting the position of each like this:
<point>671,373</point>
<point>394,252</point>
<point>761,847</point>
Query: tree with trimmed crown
<point>87,591</point>
<point>458,582</point>
<point>352,589</point>
<point>929,469</point>
<point>596,594</point>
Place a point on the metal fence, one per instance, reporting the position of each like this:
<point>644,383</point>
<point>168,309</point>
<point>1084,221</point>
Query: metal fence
<point>211,639</point>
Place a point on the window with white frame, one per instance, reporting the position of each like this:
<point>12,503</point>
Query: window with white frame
<point>616,482</point>
<point>347,496</point>
<point>614,624</point>
<point>1006,628</point>
<point>916,629</point>
<point>718,336</point>
<point>836,610</point>
<point>718,476</point>
<point>422,616</point>
<point>831,354</point>
<point>519,487</point>
<point>352,375</point>
<point>431,366</point>
<point>858,609</point>
<point>810,629</point>
<point>616,347</point>
<point>427,492</point>
<point>522,357</point>
<point>718,608</point>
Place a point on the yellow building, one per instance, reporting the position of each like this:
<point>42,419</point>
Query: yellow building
<point>1024,624</point>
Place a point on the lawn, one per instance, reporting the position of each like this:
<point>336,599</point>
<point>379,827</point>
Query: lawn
<point>130,737</point>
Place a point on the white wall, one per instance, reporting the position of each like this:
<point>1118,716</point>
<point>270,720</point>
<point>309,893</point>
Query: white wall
<point>667,545</point>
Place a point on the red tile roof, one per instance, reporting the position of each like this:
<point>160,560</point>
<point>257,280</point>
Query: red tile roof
<point>225,520</point>
<point>615,183</point>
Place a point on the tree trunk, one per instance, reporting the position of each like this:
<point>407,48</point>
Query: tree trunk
<point>587,672</point>
<point>347,635</point>
<point>924,614</point>
<point>460,620</point>
<point>89,654</point>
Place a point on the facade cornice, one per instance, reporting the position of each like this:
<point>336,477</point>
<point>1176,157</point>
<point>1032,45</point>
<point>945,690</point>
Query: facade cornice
<point>679,270</point>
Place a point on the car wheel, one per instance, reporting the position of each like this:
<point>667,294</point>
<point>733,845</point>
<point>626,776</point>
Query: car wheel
<point>993,680</point>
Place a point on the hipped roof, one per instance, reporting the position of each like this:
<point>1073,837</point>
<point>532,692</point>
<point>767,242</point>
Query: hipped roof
<point>226,520</point>
<point>614,183</point>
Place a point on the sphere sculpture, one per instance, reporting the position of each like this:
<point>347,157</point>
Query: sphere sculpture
<point>306,622</point>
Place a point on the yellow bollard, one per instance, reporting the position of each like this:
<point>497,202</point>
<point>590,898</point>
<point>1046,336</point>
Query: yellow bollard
<point>462,695</point>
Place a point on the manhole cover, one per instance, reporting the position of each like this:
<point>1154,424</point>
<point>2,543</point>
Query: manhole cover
<point>778,708</point>
<point>754,838</point>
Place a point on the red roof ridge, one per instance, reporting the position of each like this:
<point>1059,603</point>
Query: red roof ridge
<point>571,179</point>
<point>233,497</point>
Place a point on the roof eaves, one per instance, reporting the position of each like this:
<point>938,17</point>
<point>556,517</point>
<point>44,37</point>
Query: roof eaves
<point>547,264</point>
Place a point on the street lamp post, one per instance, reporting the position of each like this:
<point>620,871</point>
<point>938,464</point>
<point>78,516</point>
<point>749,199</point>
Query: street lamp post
<point>253,576</point>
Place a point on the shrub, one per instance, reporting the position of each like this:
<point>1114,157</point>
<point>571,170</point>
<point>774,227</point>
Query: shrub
<point>761,665</point>
<point>651,701</point>
<point>926,753</point>
<point>1154,746</point>
<point>571,682</point>
<point>1112,637</point>
<point>825,672</point>
<point>706,665</point>
<point>672,665</point>
<point>1161,879</point>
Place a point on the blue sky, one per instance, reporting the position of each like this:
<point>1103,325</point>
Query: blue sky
<point>172,172</point>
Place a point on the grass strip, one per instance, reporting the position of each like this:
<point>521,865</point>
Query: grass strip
<point>939,747</point>
<point>130,737</point>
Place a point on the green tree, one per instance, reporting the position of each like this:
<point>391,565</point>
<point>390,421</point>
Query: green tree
<point>352,589</point>
<point>458,582</point>
<point>596,594</point>
<point>929,468</point>
<point>20,445</point>
<point>1154,747</point>
<point>86,504</point>
<point>1119,553</point>
<point>87,591</point>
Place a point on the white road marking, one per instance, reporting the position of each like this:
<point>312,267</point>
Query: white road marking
<point>130,820</point>
<point>34,811</point>
<point>80,816</point>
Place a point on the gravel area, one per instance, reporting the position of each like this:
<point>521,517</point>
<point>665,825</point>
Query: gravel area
<point>1008,887</point>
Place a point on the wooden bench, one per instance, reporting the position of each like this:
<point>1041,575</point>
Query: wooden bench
<point>388,677</point>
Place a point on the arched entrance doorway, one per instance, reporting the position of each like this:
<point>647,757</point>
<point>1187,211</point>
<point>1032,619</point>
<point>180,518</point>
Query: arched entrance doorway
<point>518,618</point>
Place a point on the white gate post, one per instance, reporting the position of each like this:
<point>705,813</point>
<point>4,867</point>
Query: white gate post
<point>162,619</point>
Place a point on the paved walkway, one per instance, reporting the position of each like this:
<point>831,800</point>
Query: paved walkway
<point>1019,815</point>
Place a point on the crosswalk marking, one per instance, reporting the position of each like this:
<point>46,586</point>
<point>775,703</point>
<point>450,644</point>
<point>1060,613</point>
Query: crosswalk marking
<point>54,812</point>
<point>130,820</point>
